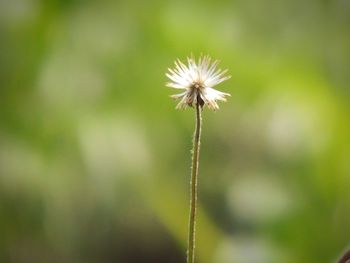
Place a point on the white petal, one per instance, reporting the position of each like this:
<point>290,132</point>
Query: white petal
<point>214,82</point>
<point>212,68</point>
<point>213,94</point>
<point>182,104</point>
<point>182,70</point>
<point>177,96</point>
<point>177,79</point>
<point>210,103</point>
<point>175,85</point>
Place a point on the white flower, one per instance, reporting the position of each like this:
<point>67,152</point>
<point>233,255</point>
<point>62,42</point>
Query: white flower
<point>197,80</point>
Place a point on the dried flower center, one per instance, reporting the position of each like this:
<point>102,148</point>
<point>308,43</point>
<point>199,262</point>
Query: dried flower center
<point>197,85</point>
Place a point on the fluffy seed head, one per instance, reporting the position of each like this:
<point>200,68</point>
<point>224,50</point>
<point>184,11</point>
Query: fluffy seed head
<point>197,81</point>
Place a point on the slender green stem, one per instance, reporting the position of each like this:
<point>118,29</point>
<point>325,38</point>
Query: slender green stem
<point>194,179</point>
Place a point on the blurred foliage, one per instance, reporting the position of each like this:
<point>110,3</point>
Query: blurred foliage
<point>94,160</point>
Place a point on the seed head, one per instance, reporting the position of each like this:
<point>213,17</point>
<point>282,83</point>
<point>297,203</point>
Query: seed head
<point>197,80</point>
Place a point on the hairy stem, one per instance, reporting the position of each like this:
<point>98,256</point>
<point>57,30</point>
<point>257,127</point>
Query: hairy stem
<point>194,186</point>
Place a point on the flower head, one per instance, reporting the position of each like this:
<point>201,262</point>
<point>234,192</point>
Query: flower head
<point>197,80</point>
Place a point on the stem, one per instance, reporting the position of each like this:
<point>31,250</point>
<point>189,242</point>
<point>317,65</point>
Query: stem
<point>194,179</point>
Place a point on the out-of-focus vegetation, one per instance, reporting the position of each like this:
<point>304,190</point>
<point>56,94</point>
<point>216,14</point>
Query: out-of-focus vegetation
<point>94,160</point>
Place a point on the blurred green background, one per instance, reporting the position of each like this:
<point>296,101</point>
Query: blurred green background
<point>95,160</point>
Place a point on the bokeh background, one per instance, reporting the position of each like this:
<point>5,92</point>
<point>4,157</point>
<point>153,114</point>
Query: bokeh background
<point>94,159</point>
